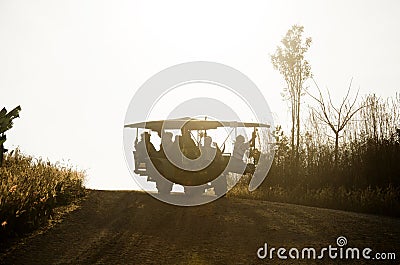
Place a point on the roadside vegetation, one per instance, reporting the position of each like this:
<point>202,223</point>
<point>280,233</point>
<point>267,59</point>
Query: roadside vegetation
<point>344,156</point>
<point>30,189</point>
<point>362,174</point>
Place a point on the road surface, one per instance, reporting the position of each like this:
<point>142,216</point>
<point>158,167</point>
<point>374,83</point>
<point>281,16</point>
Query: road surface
<point>122,227</point>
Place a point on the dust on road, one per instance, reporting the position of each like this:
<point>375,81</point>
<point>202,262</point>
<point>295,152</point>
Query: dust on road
<point>122,227</point>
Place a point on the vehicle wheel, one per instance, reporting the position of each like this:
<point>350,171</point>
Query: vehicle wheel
<point>194,191</point>
<point>163,186</point>
<point>220,186</point>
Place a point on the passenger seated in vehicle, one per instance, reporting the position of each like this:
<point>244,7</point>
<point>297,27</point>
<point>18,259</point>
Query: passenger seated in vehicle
<point>239,149</point>
<point>144,148</point>
<point>166,144</point>
<point>176,155</point>
<point>208,152</point>
<point>188,146</point>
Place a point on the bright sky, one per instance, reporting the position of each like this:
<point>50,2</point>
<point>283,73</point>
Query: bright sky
<point>73,66</point>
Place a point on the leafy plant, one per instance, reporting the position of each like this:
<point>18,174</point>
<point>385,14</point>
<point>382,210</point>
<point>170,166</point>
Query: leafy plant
<point>6,123</point>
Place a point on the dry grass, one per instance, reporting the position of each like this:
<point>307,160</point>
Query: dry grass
<point>31,188</point>
<point>363,176</point>
<point>373,200</point>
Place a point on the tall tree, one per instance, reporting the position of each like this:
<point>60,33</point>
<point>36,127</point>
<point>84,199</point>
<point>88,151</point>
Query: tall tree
<point>290,61</point>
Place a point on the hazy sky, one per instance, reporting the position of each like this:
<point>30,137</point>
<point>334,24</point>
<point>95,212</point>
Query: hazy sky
<point>73,66</point>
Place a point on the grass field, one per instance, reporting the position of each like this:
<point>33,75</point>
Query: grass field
<point>370,199</point>
<point>31,188</point>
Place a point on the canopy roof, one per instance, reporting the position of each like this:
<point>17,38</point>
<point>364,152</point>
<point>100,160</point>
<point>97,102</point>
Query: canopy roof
<point>191,124</point>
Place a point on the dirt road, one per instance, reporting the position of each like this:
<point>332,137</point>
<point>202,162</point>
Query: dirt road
<point>133,228</point>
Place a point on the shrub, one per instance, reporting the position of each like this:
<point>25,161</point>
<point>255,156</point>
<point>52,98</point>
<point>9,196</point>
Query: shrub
<point>31,188</point>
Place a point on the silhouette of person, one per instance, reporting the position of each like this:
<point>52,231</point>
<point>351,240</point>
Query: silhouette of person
<point>207,151</point>
<point>176,155</point>
<point>145,148</point>
<point>166,144</point>
<point>188,146</point>
<point>239,149</point>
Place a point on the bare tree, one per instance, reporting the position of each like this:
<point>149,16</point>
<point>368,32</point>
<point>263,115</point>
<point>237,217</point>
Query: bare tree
<point>289,60</point>
<point>335,118</point>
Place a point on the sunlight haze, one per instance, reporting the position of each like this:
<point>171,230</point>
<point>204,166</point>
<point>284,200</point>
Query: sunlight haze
<point>74,66</point>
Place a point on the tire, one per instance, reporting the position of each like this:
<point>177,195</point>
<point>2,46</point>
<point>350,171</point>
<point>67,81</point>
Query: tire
<point>164,186</point>
<point>194,191</point>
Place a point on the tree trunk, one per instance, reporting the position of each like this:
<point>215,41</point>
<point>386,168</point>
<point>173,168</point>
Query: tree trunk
<point>336,146</point>
<point>298,127</point>
<point>293,127</point>
<point>1,154</point>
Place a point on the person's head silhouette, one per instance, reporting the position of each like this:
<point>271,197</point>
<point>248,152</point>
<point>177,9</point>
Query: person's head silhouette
<point>240,139</point>
<point>207,141</point>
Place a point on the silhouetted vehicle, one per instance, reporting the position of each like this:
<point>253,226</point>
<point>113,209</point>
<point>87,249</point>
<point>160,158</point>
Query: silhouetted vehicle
<point>187,167</point>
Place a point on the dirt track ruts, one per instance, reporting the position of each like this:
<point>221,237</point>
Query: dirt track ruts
<point>121,227</point>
